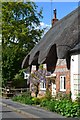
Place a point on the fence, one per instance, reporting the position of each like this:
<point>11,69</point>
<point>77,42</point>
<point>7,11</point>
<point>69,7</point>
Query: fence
<point>9,92</point>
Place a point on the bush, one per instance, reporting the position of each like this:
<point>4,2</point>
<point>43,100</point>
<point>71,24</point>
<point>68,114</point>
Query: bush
<point>61,96</point>
<point>78,98</point>
<point>48,95</point>
<point>36,101</point>
<point>26,94</point>
<point>24,98</point>
<point>63,106</point>
<point>44,102</point>
<point>67,108</point>
<point>18,81</point>
<point>28,101</point>
<point>51,106</point>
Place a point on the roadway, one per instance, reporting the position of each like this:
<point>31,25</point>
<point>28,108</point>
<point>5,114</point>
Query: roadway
<point>16,110</point>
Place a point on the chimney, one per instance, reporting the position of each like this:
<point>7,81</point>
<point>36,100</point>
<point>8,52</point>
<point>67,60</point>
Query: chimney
<point>55,18</point>
<point>54,13</point>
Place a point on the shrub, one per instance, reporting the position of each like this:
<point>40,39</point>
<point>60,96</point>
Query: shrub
<point>51,106</point>
<point>48,95</point>
<point>63,106</point>
<point>26,94</point>
<point>36,101</point>
<point>28,101</point>
<point>44,102</point>
<point>67,108</point>
<point>61,96</point>
<point>24,98</point>
<point>78,98</point>
<point>18,81</point>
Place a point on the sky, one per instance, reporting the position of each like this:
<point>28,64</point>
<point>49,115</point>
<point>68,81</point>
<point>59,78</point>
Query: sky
<point>63,9</point>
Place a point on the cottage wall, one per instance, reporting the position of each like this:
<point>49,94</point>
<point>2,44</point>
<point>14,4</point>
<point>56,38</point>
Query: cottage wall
<point>62,70</point>
<point>75,76</point>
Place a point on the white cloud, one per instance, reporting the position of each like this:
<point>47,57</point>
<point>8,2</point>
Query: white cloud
<point>44,25</point>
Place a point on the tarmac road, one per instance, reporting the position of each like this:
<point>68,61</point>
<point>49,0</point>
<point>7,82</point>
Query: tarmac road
<point>18,110</point>
<point>9,113</point>
<point>32,111</point>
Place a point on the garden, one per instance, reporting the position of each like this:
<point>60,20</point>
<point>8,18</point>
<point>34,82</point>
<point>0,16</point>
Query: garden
<point>63,105</point>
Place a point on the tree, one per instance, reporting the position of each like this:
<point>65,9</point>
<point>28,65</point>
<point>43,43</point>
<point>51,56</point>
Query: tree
<point>19,81</point>
<point>12,58</point>
<point>19,35</point>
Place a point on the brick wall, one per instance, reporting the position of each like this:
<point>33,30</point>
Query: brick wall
<point>61,70</point>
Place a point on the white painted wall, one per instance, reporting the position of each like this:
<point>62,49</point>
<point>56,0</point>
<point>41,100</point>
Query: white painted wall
<point>75,75</point>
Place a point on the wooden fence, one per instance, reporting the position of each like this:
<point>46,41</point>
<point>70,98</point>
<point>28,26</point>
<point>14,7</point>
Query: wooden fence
<point>9,92</point>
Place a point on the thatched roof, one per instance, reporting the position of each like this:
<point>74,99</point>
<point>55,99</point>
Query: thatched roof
<point>75,50</point>
<point>61,38</point>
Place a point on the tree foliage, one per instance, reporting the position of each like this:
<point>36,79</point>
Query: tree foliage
<point>19,81</point>
<point>19,35</point>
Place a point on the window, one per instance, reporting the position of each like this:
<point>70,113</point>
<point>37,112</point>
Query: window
<point>62,83</point>
<point>42,85</point>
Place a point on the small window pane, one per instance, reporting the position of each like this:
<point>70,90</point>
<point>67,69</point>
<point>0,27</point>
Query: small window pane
<point>42,85</point>
<point>64,83</point>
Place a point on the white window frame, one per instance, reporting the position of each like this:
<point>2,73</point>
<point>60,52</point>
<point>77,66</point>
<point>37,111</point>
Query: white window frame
<point>62,82</point>
<point>42,83</point>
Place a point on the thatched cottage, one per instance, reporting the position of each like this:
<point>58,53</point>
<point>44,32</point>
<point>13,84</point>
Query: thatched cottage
<point>59,49</point>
